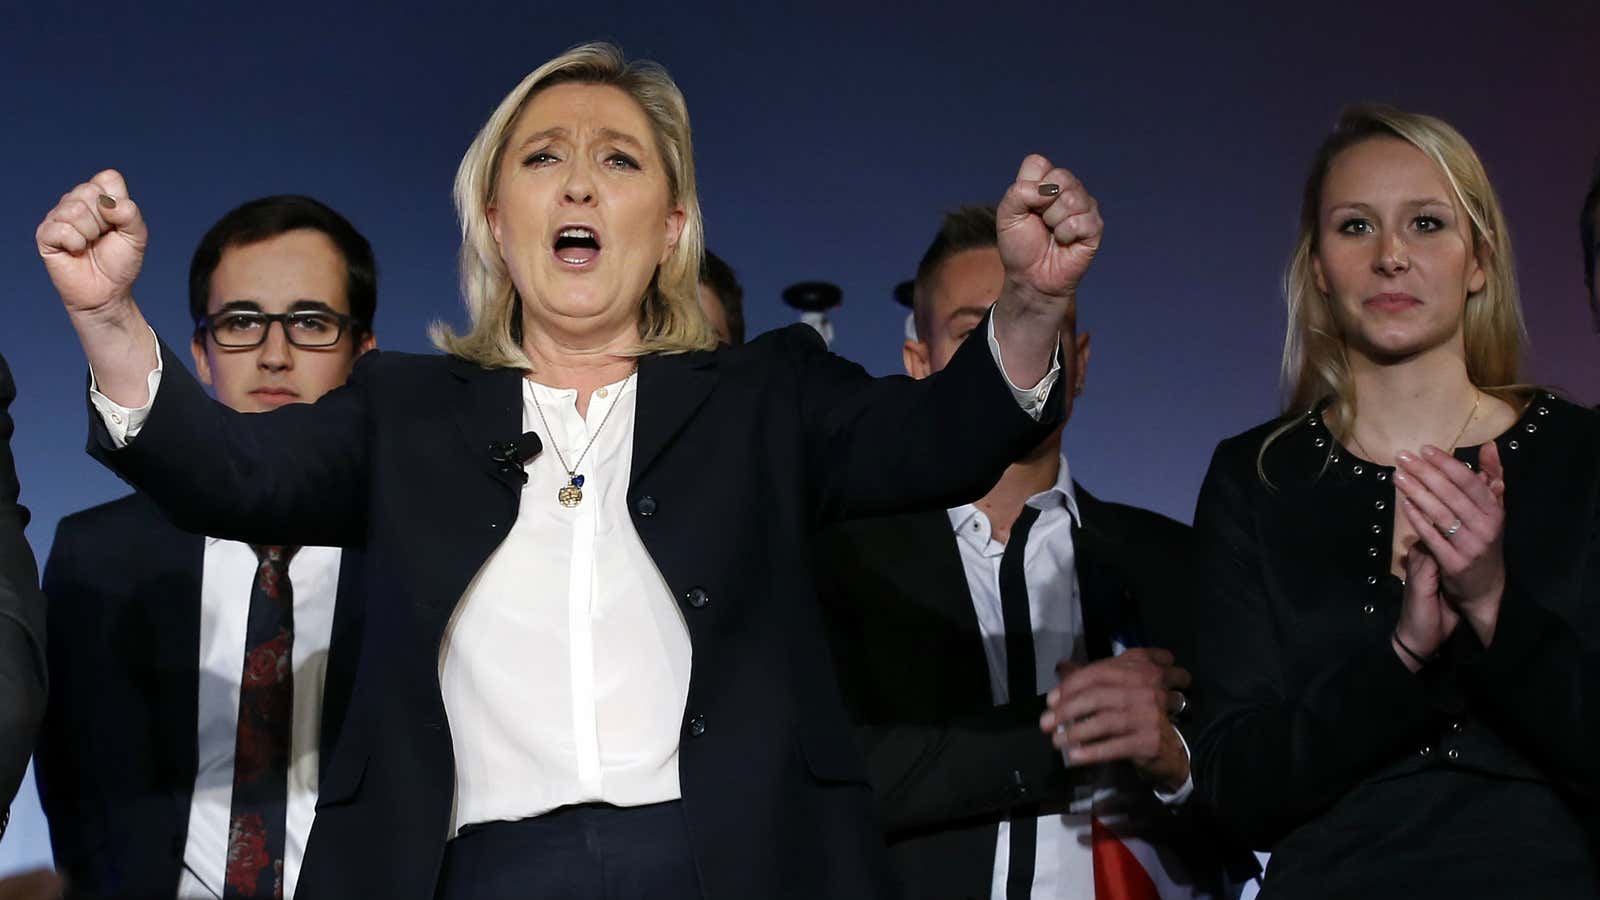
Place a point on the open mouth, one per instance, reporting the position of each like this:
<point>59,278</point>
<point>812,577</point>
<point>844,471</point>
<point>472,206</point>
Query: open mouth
<point>577,245</point>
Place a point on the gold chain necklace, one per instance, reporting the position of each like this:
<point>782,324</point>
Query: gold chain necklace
<point>1477,396</point>
<point>571,493</point>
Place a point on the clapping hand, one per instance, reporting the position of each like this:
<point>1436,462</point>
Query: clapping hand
<point>1459,516</point>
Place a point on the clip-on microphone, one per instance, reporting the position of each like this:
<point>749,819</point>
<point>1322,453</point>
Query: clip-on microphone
<point>512,455</point>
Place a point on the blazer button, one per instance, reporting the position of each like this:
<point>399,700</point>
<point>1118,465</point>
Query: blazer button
<point>697,598</point>
<point>1454,754</point>
<point>1425,752</point>
<point>646,506</point>
<point>1457,727</point>
<point>697,725</point>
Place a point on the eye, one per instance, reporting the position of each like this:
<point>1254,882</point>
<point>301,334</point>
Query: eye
<point>1428,224</point>
<point>622,161</point>
<point>539,158</point>
<point>313,322</point>
<point>239,323</point>
<point>1355,225</point>
<point>962,335</point>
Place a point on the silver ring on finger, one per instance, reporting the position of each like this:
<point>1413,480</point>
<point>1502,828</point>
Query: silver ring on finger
<point>1454,527</point>
<point>1183,705</point>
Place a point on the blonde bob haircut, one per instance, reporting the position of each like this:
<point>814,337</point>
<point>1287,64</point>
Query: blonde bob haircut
<point>1316,366</point>
<point>670,320</point>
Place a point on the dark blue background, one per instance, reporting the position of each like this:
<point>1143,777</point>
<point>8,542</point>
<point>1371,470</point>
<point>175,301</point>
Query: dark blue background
<point>828,143</point>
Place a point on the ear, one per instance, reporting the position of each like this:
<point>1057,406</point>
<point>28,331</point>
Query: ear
<point>1317,276</point>
<point>917,359</point>
<point>370,342</point>
<point>202,362</point>
<point>1477,275</point>
<point>1080,364</point>
<point>492,213</point>
<point>676,217</point>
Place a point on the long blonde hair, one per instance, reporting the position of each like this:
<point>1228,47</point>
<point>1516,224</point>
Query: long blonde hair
<point>1316,366</point>
<point>670,320</point>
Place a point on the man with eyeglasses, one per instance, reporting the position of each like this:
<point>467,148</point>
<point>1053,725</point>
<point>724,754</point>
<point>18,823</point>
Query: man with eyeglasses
<point>197,685</point>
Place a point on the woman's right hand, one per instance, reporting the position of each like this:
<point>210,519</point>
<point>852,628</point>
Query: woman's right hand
<point>1426,620</point>
<point>93,244</point>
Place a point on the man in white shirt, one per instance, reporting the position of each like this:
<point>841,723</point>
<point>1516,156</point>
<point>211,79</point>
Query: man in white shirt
<point>197,684</point>
<point>950,628</point>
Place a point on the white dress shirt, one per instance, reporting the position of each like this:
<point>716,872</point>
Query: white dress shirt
<point>565,667</point>
<point>1063,864</point>
<point>229,574</point>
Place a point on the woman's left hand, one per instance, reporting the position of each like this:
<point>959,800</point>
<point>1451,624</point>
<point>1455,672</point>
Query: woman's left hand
<point>1460,516</point>
<point>1049,230</point>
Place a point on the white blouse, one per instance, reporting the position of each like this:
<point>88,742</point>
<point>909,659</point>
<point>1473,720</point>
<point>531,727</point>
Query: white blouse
<point>565,667</point>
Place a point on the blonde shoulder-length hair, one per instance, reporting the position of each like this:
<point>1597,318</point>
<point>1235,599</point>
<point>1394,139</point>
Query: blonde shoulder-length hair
<point>670,320</point>
<point>1316,366</point>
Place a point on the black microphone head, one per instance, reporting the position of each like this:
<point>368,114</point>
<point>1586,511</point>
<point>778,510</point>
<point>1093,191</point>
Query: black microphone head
<point>528,446</point>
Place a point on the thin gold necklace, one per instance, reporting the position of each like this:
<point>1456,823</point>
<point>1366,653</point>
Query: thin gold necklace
<point>571,493</point>
<point>1477,396</point>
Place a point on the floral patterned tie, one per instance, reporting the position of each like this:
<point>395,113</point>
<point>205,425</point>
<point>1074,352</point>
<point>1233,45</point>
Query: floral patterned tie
<point>257,823</point>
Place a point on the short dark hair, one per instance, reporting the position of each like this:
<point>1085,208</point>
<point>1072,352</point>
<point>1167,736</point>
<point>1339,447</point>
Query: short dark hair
<point>967,228</point>
<point>1586,217</point>
<point>718,275</point>
<point>269,217</point>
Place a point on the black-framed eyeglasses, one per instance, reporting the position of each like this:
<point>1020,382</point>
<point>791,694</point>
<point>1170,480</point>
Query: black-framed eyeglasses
<point>241,329</point>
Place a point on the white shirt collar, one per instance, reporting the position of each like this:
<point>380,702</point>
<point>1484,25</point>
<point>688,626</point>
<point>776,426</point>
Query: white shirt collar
<point>1058,495</point>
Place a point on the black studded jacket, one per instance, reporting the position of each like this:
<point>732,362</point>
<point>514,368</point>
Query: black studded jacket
<point>1478,776</point>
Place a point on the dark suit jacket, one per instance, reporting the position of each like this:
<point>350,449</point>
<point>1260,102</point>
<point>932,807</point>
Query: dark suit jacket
<point>22,618</point>
<point>117,759</point>
<point>738,454</point>
<point>1318,744</point>
<point>947,763</point>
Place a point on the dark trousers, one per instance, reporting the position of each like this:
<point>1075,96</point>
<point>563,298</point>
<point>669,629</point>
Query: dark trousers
<point>589,852</point>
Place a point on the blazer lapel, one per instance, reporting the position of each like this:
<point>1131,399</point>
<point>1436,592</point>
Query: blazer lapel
<point>489,412</point>
<point>671,388</point>
<point>1110,614</point>
<point>344,652</point>
<point>173,624</point>
<point>942,576</point>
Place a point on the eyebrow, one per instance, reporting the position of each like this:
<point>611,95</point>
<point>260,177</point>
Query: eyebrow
<point>296,306</point>
<point>1410,204</point>
<point>963,311</point>
<point>610,134</point>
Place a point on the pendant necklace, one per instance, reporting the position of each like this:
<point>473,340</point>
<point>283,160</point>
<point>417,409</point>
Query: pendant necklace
<point>571,493</point>
<point>1471,414</point>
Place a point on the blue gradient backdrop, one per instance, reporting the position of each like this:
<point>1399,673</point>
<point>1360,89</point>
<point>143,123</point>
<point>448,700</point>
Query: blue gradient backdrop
<point>828,142</point>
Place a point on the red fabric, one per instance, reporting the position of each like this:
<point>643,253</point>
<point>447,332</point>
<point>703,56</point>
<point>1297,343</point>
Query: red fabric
<point>1117,873</point>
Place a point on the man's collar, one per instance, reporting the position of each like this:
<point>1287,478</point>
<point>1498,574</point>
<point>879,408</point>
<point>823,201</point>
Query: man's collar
<point>1058,495</point>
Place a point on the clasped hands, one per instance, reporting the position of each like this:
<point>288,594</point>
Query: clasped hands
<point>1122,709</point>
<point>1456,569</point>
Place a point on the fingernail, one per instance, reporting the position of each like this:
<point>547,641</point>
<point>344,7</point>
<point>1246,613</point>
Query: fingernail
<point>1047,721</point>
<point>1401,477</point>
<point>108,202</point>
<point>1405,456</point>
<point>1053,696</point>
<point>1049,189</point>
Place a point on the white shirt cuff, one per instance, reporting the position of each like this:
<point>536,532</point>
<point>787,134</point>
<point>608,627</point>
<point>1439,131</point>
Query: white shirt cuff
<point>1181,795</point>
<point>121,422</point>
<point>1032,399</point>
